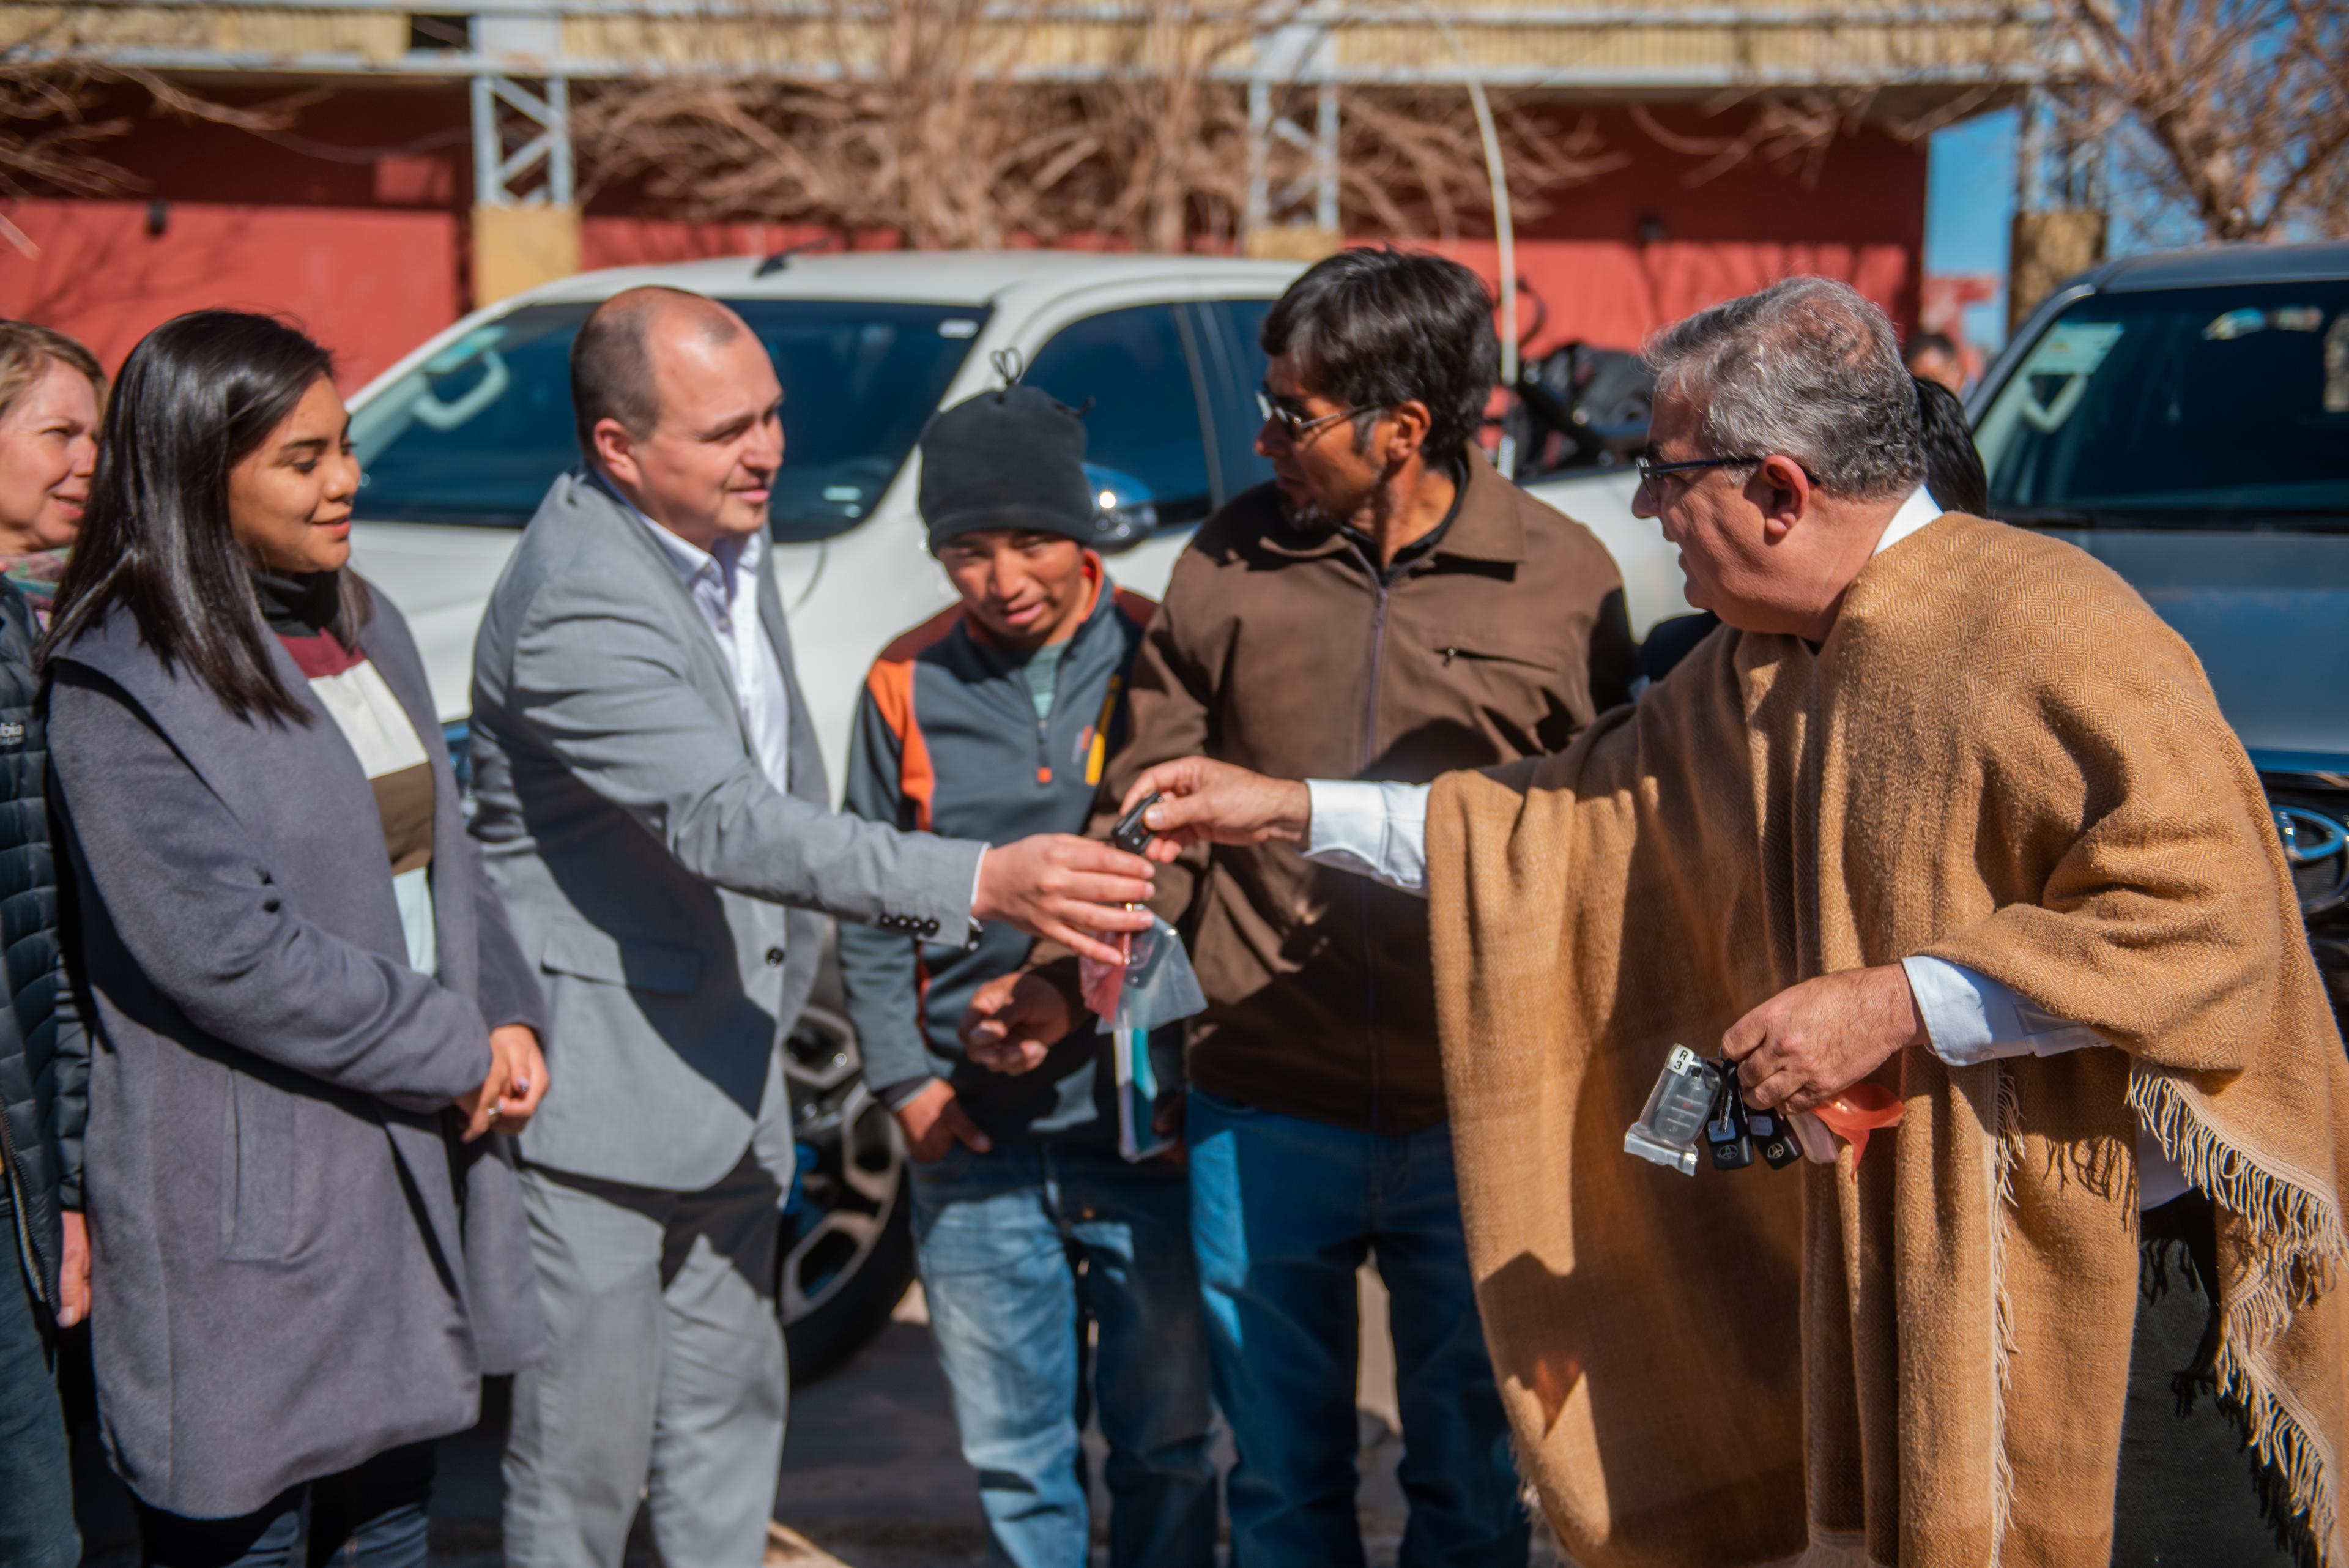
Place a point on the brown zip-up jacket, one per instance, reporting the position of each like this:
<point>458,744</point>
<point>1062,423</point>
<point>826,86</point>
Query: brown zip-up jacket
<point>1282,650</point>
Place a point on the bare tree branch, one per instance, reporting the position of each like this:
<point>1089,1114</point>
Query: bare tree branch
<point>53,95</point>
<point>2236,111</point>
<point>937,125</point>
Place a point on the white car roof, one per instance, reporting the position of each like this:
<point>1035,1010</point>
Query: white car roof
<point>941,277</point>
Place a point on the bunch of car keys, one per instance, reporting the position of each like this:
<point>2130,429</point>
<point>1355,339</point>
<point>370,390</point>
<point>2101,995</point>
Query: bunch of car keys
<point>1696,1095</point>
<point>1131,835</point>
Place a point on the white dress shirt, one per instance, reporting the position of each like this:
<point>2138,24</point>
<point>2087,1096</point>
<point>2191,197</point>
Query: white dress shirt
<point>724,585</point>
<point>1379,830</point>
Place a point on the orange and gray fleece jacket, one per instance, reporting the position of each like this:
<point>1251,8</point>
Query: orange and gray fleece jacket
<point>948,740</point>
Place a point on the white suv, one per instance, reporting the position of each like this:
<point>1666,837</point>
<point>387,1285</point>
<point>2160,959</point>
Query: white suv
<point>460,439</point>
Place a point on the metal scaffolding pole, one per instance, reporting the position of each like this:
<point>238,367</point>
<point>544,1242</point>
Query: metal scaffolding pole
<point>1294,55</point>
<point>1324,158</point>
<point>506,155</point>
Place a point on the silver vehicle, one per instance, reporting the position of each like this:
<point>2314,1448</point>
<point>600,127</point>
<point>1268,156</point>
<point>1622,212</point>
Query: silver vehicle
<point>2184,417</point>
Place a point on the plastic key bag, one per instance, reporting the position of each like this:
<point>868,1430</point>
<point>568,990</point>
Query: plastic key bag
<point>1666,1129</point>
<point>1688,1092</point>
<point>1154,987</point>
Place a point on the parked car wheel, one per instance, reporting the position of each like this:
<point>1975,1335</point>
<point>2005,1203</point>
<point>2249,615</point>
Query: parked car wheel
<point>848,1246</point>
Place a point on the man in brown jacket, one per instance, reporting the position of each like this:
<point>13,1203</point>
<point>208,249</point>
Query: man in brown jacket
<point>1390,607</point>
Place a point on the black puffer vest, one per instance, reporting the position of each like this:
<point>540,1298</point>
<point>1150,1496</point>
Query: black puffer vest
<point>44,1058</point>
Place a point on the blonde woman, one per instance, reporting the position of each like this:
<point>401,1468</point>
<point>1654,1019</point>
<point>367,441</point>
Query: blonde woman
<point>50,388</point>
<point>50,393</point>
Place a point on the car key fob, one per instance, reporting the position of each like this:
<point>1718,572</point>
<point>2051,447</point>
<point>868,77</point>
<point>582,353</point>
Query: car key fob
<point>1130,835</point>
<point>1725,1135</point>
<point>1772,1139</point>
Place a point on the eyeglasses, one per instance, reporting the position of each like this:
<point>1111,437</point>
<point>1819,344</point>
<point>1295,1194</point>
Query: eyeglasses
<point>1651,471</point>
<point>1293,423</point>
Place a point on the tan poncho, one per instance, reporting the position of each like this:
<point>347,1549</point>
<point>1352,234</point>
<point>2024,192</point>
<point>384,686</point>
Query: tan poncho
<point>2002,758</point>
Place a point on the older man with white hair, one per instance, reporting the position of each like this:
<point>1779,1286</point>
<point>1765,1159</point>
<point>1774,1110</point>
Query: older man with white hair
<point>1942,821</point>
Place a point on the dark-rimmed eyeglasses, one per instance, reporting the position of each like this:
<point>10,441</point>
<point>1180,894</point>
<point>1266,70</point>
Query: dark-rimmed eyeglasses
<point>1651,471</point>
<point>1295,424</point>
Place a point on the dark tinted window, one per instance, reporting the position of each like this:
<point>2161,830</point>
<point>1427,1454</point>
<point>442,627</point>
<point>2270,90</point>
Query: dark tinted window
<point>1144,426</point>
<point>1234,330</point>
<point>2194,408</point>
<point>478,432</point>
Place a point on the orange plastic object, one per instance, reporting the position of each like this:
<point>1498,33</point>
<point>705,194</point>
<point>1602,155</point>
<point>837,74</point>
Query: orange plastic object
<point>1859,1110</point>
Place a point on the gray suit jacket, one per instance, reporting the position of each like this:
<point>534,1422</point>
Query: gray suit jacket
<point>645,857</point>
<point>297,1266</point>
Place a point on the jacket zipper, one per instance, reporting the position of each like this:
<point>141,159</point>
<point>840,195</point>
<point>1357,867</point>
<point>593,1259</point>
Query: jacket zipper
<point>1026,693</point>
<point>38,1273</point>
<point>1044,720</point>
<point>1380,587</point>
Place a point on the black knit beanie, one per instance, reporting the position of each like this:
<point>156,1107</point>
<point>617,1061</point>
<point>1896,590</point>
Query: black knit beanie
<point>1012,458</point>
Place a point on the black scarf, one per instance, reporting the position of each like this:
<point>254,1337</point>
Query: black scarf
<point>302,604</point>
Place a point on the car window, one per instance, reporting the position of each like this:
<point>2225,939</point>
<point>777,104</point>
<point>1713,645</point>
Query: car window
<point>477,432</point>
<point>1142,432</point>
<point>2224,406</point>
<point>1235,331</point>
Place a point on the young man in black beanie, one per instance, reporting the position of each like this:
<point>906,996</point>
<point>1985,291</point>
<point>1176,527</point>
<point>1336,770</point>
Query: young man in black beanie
<point>994,720</point>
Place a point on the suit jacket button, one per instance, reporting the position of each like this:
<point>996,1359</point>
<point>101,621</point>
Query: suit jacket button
<point>774,955</point>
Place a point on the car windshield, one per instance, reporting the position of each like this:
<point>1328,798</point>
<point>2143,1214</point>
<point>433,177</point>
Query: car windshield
<point>2190,408</point>
<point>477,431</point>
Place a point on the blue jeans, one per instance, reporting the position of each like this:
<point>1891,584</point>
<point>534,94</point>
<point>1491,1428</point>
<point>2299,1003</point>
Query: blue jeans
<point>36,1517</point>
<point>371,1515</point>
<point>1019,1250</point>
<point>1283,1212</point>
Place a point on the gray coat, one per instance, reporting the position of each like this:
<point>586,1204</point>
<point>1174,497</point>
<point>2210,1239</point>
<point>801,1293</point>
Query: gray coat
<point>296,1266</point>
<point>647,858</point>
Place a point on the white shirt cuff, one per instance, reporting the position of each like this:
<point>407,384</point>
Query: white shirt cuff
<point>1972,1018</point>
<point>1371,828</point>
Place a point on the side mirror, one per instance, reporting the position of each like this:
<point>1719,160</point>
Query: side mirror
<point>1126,512</point>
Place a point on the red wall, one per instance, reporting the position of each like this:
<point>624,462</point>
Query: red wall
<point>370,284</point>
<point>1862,219</point>
<point>352,219</point>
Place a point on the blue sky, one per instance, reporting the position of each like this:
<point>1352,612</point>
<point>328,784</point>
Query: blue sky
<point>1968,204</point>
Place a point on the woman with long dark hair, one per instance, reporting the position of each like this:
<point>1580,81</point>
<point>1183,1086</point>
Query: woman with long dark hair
<point>308,1007</point>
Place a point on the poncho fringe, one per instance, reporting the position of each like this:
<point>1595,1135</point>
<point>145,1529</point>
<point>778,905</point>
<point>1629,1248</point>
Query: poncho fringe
<point>2296,1240</point>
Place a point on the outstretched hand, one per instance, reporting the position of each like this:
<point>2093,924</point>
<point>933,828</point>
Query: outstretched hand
<point>1067,889</point>
<point>1813,1041</point>
<point>1205,802</point>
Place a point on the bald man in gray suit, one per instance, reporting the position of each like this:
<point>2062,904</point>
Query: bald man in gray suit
<point>653,811</point>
